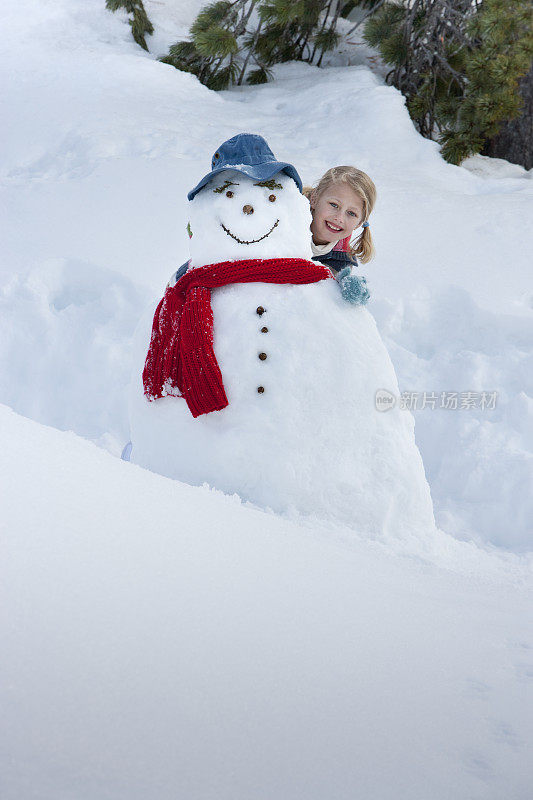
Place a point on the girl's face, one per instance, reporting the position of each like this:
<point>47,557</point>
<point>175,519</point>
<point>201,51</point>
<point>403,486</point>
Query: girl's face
<point>336,213</point>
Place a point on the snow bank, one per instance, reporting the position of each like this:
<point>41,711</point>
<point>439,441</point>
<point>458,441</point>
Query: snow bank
<point>478,460</point>
<point>165,641</point>
<point>64,358</point>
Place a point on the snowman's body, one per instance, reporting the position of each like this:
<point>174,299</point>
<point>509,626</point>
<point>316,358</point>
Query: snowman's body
<point>300,368</point>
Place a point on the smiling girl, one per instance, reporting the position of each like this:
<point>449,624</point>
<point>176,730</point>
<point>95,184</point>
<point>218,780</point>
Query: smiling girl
<point>341,202</point>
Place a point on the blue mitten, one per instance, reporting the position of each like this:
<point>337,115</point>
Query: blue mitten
<point>353,288</point>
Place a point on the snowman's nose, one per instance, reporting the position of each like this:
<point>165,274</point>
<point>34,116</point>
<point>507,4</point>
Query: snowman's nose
<point>248,209</point>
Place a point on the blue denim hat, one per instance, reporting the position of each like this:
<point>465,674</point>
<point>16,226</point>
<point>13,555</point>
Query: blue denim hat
<point>249,154</point>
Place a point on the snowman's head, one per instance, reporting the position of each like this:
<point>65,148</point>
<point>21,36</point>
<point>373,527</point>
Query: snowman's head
<point>235,217</point>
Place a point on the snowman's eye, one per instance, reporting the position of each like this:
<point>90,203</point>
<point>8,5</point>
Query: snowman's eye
<point>272,198</point>
<point>229,194</point>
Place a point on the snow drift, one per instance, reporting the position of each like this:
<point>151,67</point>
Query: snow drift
<point>166,641</point>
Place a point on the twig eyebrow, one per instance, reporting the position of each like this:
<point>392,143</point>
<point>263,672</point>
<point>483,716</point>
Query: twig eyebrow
<point>223,188</point>
<point>271,184</point>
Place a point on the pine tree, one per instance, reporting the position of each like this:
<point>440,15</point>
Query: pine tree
<point>367,7</point>
<point>457,62</point>
<point>423,41</point>
<point>234,42</point>
<point>139,23</point>
<point>500,53</point>
<point>213,53</point>
<point>514,140</point>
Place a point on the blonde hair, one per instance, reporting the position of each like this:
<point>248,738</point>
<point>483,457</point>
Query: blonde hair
<point>364,187</point>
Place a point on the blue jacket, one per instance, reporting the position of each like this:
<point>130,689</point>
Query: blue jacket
<point>336,260</point>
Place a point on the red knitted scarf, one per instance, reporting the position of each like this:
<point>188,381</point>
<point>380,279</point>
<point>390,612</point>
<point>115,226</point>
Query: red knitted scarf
<point>181,361</point>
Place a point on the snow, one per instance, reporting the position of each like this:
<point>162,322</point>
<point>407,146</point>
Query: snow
<point>165,640</point>
<point>494,168</point>
<point>63,360</point>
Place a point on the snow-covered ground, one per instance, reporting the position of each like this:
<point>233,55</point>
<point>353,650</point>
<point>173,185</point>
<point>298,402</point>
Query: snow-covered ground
<point>166,640</point>
<point>161,641</point>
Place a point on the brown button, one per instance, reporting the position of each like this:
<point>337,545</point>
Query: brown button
<point>264,330</point>
<point>260,389</point>
<point>260,310</point>
<point>262,356</point>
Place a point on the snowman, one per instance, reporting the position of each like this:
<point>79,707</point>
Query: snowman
<point>258,379</point>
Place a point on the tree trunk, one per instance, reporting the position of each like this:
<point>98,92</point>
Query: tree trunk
<point>514,142</point>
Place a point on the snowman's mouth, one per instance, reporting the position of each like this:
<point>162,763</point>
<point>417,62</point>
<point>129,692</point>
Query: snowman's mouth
<point>252,241</point>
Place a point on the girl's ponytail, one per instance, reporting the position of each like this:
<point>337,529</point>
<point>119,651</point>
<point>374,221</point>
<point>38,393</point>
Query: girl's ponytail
<point>363,247</point>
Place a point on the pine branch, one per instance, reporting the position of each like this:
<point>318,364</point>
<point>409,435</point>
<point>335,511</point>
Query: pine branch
<point>251,49</point>
<point>140,24</point>
<point>326,15</point>
<point>366,16</point>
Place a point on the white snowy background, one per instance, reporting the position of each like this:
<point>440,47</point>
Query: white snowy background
<point>164,641</point>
